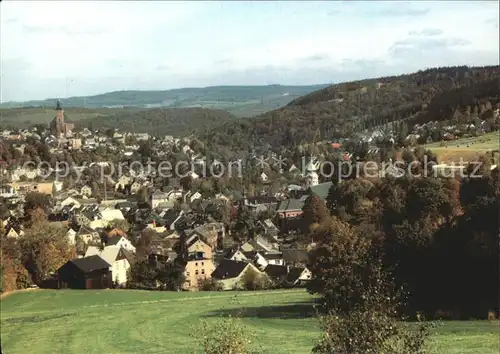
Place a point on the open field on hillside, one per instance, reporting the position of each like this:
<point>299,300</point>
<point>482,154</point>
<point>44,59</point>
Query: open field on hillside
<point>128,321</point>
<point>466,149</point>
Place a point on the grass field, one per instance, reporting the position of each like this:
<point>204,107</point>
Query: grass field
<point>123,321</point>
<point>466,149</point>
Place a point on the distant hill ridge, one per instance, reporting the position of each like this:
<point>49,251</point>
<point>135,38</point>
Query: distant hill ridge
<point>347,108</point>
<point>238,100</point>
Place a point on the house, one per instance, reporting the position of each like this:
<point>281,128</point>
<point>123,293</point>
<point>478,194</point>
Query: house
<point>71,201</point>
<point>237,255</point>
<point>212,233</point>
<point>190,197</point>
<point>88,235</point>
<point>26,187</point>
<point>298,276</point>
<point>263,177</point>
<point>115,231</point>
<point>290,209</point>
<point>109,214</point>
<point>269,227</point>
<point>85,273</point>
<point>295,257</point>
<point>193,175</point>
<point>57,186</point>
<point>86,191</point>
<point>277,273</point>
<point>120,241</point>
<point>260,243</point>
<point>14,231</point>
<point>71,235</point>
<point>158,197</point>
<point>263,259</point>
<point>119,259</point>
<point>122,182</point>
<point>230,273</point>
<point>198,267</point>
<point>104,217</point>
<point>196,245</point>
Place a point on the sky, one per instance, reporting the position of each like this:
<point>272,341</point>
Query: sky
<point>58,49</point>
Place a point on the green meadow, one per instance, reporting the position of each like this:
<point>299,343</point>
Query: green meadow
<point>133,321</point>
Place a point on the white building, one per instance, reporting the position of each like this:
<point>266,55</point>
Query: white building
<point>312,178</point>
<point>117,258</point>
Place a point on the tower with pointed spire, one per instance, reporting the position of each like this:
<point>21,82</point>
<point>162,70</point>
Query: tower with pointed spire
<point>58,126</point>
<point>312,178</point>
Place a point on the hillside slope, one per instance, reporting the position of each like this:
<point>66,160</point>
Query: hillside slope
<point>342,109</point>
<point>135,321</point>
<point>161,121</point>
<point>240,100</point>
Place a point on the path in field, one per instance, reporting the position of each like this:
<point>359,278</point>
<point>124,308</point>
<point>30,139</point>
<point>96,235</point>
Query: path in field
<point>128,321</point>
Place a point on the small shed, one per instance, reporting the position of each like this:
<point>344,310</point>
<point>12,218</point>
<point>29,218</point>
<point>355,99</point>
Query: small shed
<point>91,272</point>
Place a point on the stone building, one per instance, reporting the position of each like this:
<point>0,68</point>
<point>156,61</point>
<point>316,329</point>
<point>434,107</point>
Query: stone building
<point>58,127</point>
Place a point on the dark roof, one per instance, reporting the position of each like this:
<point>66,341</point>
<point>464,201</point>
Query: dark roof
<point>322,189</point>
<point>294,274</point>
<point>250,254</point>
<point>85,230</point>
<point>276,271</point>
<point>291,205</point>
<point>113,240</point>
<point>272,255</point>
<point>88,264</point>
<point>291,256</point>
<point>130,256</point>
<point>229,269</point>
<point>262,199</point>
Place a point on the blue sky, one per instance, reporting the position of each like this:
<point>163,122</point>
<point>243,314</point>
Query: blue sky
<point>60,49</point>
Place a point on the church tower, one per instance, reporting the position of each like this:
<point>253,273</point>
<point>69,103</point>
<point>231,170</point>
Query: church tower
<point>58,125</point>
<point>59,119</point>
<point>312,178</point>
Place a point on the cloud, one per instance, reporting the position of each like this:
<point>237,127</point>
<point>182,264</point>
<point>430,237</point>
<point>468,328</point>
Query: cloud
<point>399,9</point>
<point>493,22</point>
<point>14,66</point>
<point>163,67</point>
<point>405,12</point>
<point>426,32</point>
<point>412,45</point>
<point>106,46</point>
<point>65,30</point>
<point>317,57</point>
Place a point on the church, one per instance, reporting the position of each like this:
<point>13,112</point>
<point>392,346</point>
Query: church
<point>58,127</point>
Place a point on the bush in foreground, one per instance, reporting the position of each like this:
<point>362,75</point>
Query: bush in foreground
<point>359,297</point>
<point>227,336</point>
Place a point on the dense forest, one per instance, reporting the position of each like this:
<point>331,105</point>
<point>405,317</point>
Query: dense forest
<point>343,109</point>
<point>162,121</point>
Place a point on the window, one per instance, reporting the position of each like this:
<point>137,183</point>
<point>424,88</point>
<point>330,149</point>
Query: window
<point>203,271</point>
<point>187,274</point>
<point>196,272</point>
<point>201,263</point>
<point>196,264</point>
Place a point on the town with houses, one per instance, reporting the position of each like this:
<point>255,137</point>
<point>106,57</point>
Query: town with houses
<point>249,177</point>
<point>106,225</point>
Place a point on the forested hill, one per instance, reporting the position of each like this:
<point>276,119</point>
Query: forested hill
<point>341,109</point>
<point>161,121</point>
<point>242,101</point>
